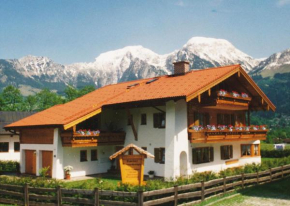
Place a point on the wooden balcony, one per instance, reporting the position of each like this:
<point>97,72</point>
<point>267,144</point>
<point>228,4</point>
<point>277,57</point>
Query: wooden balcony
<point>228,102</point>
<point>208,136</point>
<point>70,139</point>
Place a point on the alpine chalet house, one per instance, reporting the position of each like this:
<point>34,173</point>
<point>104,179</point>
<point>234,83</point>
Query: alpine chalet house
<point>191,121</point>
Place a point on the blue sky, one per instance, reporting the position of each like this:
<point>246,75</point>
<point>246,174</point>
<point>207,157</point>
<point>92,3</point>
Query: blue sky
<point>78,31</point>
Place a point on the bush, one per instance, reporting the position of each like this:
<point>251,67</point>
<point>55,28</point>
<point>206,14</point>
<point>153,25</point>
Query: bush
<point>275,153</point>
<point>9,166</point>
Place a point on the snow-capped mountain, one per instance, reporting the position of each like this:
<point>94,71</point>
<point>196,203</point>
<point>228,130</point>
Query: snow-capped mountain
<point>278,62</point>
<point>128,63</point>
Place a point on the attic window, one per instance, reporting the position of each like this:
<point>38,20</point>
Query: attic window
<point>151,80</point>
<point>132,85</point>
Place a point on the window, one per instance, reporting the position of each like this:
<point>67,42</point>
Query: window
<point>202,155</point>
<point>250,150</point>
<point>159,154</point>
<point>226,152</point>
<point>16,146</point>
<point>94,155</point>
<point>159,120</point>
<point>4,146</point>
<point>143,119</point>
<point>246,150</point>
<point>130,118</point>
<point>201,119</point>
<point>83,156</point>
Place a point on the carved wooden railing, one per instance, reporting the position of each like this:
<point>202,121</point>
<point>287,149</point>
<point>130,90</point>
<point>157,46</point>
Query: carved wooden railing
<point>70,139</point>
<point>209,136</point>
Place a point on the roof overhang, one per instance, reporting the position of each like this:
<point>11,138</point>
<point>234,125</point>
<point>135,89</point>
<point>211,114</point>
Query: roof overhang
<point>81,119</point>
<point>240,71</point>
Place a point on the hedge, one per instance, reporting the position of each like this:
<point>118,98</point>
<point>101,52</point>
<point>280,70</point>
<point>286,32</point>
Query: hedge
<point>9,166</point>
<point>275,153</point>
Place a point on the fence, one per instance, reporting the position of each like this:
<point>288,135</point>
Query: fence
<point>183,195</point>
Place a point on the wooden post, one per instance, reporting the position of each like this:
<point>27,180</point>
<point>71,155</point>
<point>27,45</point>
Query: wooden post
<point>97,197</point>
<point>202,190</point>
<point>140,198</point>
<point>224,185</point>
<point>26,195</point>
<point>270,175</point>
<point>249,118</point>
<point>175,195</point>
<point>243,181</point>
<point>282,171</point>
<point>58,195</point>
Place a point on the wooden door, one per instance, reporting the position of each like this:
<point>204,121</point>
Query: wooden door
<point>30,162</point>
<point>47,161</point>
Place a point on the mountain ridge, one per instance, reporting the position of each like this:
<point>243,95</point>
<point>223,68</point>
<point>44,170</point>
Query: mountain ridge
<point>132,62</point>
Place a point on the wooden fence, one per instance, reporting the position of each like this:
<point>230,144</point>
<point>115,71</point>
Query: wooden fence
<point>177,195</point>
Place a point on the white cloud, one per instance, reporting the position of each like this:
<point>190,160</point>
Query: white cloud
<point>180,3</point>
<point>283,2</point>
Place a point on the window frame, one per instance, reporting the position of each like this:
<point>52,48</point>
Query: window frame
<point>226,152</point>
<point>252,150</point>
<point>157,120</point>
<point>1,149</point>
<point>18,146</point>
<point>209,151</point>
<point>95,157</point>
<point>159,155</point>
<point>86,156</point>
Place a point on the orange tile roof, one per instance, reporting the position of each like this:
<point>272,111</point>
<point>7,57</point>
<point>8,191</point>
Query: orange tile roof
<point>164,87</point>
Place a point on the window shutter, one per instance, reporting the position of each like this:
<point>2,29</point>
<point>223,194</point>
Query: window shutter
<point>155,120</point>
<point>222,153</point>
<point>231,151</point>
<point>211,154</point>
<point>194,156</point>
<point>157,155</point>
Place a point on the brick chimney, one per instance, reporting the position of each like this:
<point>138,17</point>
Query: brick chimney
<point>181,67</point>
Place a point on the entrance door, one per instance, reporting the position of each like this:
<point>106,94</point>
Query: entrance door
<point>47,161</point>
<point>30,162</point>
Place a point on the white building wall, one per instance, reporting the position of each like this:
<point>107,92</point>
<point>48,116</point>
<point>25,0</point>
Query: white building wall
<point>219,164</point>
<point>11,154</point>
<point>148,136</point>
<point>71,156</point>
<point>55,148</point>
<point>176,140</point>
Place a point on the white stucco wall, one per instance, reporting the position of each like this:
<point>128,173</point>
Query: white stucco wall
<point>11,154</point>
<point>71,157</point>
<point>219,164</point>
<point>148,136</point>
<point>56,148</point>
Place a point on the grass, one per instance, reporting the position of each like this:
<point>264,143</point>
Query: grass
<point>102,183</point>
<point>274,193</point>
<point>266,146</point>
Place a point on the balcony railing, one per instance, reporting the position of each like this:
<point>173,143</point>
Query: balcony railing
<point>70,139</point>
<point>209,136</point>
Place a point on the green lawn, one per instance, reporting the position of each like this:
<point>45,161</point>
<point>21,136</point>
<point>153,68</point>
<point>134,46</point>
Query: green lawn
<point>102,183</point>
<point>275,193</point>
<point>266,146</point>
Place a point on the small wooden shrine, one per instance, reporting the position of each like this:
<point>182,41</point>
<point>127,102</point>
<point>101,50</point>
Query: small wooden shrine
<point>132,165</point>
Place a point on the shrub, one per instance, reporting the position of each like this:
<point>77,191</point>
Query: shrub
<point>9,166</point>
<point>275,153</point>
